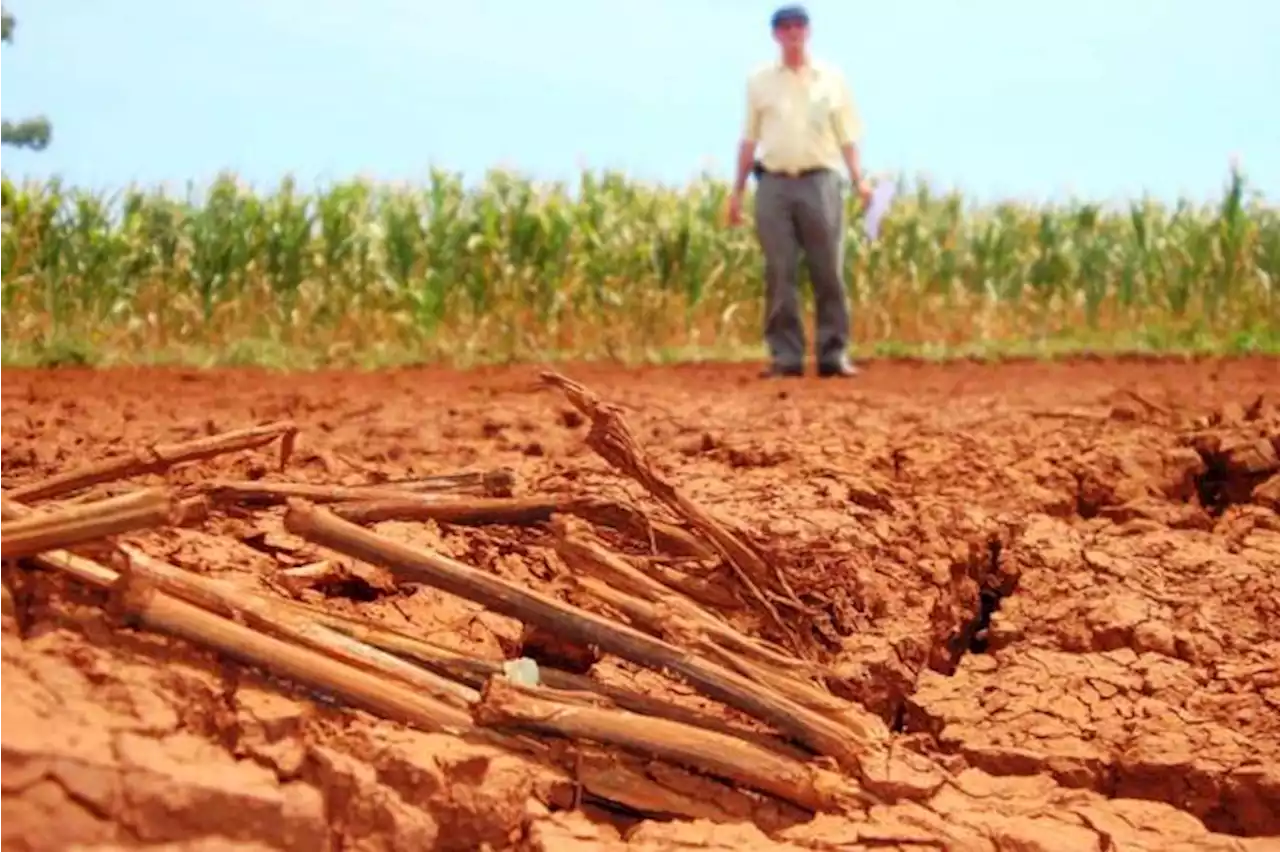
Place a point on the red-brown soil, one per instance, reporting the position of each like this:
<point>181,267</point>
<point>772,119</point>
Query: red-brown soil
<point>1058,585</point>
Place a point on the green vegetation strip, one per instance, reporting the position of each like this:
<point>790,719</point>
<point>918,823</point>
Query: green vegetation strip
<point>366,275</point>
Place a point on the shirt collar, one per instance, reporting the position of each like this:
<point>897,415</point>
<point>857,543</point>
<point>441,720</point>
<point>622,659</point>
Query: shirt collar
<point>808,69</point>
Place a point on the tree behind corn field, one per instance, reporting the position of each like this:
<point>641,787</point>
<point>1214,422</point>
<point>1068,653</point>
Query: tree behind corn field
<point>34,133</point>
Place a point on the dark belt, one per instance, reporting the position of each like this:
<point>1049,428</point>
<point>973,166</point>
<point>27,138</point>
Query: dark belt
<point>760,171</point>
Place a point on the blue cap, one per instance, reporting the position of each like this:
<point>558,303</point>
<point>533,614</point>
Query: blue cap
<point>789,14</point>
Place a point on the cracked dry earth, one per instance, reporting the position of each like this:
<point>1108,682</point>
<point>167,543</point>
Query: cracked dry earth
<point>1058,583</point>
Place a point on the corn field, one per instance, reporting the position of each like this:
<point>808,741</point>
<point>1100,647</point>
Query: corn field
<point>360,273</point>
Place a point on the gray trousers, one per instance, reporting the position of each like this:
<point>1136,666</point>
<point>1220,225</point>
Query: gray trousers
<point>793,214</point>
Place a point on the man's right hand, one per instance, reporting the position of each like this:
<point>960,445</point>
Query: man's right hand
<point>864,192</point>
<point>735,209</point>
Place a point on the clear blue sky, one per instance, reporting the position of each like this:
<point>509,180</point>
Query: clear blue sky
<point>1026,98</point>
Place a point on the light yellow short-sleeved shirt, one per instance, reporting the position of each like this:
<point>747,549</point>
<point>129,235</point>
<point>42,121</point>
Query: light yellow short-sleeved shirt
<point>800,118</point>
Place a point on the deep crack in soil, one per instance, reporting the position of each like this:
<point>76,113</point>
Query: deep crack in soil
<point>989,601</point>
<point>1060,581</point>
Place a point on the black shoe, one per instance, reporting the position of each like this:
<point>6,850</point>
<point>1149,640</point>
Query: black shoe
<point>838,371</point>
<point>779,372</point>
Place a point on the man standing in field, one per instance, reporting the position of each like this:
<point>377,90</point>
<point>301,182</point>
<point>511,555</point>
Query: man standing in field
<point>801,113</point>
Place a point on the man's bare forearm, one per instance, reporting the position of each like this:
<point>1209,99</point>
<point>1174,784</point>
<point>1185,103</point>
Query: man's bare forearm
<point>853,162</point>
<point>746,159</point>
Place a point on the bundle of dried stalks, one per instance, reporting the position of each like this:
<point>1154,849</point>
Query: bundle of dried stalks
<point>370,670</point>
